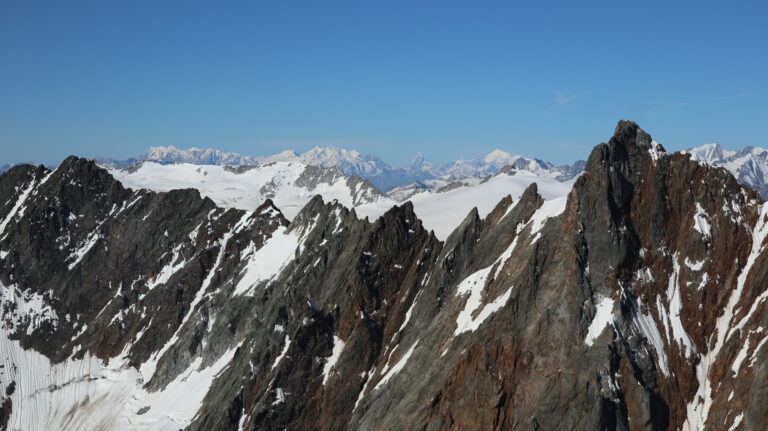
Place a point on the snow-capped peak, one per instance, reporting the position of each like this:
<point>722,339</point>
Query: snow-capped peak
<point>420,164</point>
<point>499,156</point>
<point>332,155</point>
<point>710,153</point>
<point>493,162</point>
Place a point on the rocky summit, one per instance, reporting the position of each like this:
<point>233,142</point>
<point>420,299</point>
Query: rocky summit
<point>636,302</point>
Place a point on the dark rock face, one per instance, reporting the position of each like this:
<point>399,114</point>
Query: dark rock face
<point>635,303</point>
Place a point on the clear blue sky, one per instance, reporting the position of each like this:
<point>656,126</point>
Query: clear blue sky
<point>449,79</point>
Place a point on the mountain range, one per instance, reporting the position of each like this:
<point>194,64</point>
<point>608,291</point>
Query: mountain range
<point>291,185</point>
<point>636,300</point>
<point>352,162</point>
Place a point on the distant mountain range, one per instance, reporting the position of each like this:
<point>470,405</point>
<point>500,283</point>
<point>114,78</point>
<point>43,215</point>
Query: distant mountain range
<point>749,166</point>
<point>372,168</point>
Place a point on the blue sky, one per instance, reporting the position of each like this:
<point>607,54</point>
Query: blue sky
<point>448,79</point>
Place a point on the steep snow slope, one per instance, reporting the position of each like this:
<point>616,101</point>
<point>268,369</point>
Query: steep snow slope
<point>76,393</point>
<point>289,184</point>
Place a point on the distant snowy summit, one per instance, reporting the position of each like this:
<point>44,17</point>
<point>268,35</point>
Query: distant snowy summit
<point>749,166</point>
<point>385,177</point>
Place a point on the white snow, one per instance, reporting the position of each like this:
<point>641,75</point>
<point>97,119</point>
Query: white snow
<point>361,395</point>
<point>286,345</point>
<point>181,399</point>
<point>18,205</point>
<point>701,221</point>
<point>740,357</point>
<point>407,317</point>
<point>712,154</point>
<point>148,368</point>
<point>442,212</point>
<point>757,350</point>
<point>603,317</point>
<point>675,308</point>
<point>19,308</point>
<point>465,322</point>
<point>330,362</point>
<point>174,265</point>
<point>550,208</point>
<point>475,283</point>
<point>46,394</point>
<point>246,190</point>
<point>79,253</point>
<point>396,368</point>
<point>645,324</point>
<point>492,163</point>
<point>198,156</point>
<point>694,266</point>
<point>698,407</point>
<point>268,261</point>
<point>736,422</point>
<point>241,423</point>
<point>656,150</point>
<point>279,396</point>
<point>704,280</point>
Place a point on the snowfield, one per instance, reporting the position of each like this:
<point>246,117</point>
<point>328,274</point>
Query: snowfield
<point>246,190</point>
<point>51,393</point>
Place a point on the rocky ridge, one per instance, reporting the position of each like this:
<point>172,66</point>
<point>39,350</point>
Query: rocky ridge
<point>636,302</point>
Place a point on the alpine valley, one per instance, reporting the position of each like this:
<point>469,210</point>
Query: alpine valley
<point>204,290</point>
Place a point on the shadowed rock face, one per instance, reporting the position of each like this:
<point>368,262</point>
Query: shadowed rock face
<point>637,303</point>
